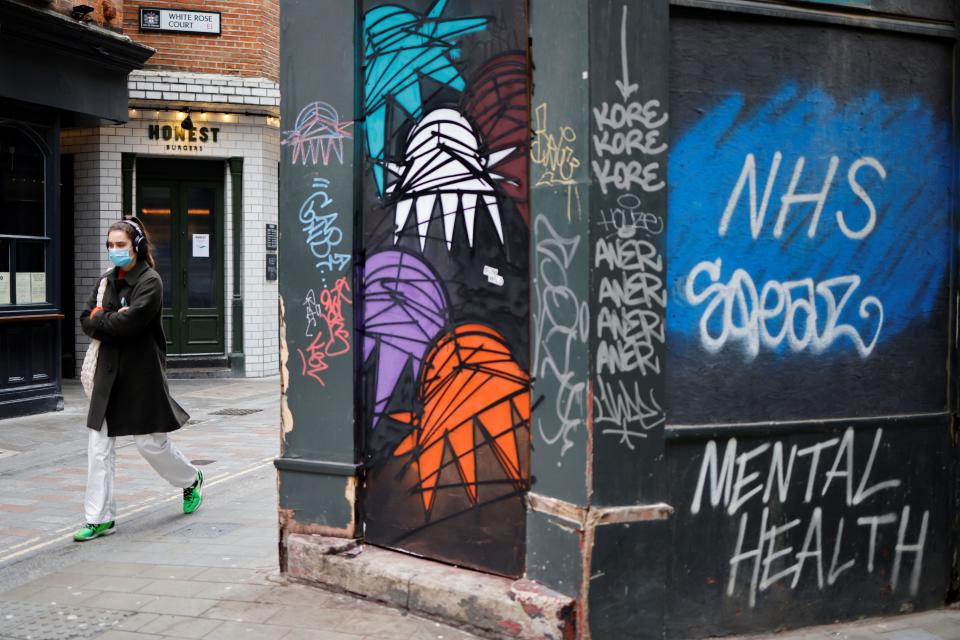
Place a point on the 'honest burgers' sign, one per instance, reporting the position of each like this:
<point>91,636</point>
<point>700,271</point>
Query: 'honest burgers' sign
<point>179,139</point>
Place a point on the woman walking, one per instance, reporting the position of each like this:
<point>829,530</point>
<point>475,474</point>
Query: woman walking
<point>130,395</point>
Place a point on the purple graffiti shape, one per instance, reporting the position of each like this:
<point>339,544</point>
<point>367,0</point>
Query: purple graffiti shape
<point>404,308</point>
<point>317,132</point>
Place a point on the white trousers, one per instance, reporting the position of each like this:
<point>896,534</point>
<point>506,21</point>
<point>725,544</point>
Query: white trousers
<point>99,504</point>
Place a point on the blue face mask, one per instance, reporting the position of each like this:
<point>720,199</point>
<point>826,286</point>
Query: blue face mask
<point>120,257</point>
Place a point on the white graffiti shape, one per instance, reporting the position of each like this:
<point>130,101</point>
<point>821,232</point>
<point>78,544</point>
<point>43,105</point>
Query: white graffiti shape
<point>627,410</point>
<point>313,312</point>
<point>625,87</point>
<point>736,312</point>
<point>758,210</point>
<point>631,297</point>
<point>493,276</point>
<point>323,234</point>
<point>623,132</point>
<point>318,132</point>
<point>561,324</point>
<point>627,218</point>
<point>443,161</point>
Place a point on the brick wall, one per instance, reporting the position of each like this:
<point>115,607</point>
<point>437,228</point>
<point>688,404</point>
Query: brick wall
<point>249,44</point>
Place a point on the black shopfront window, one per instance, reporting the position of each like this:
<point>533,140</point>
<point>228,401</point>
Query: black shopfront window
<point>24,240</point>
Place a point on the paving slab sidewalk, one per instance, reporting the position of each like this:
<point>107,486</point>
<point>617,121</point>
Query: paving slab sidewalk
<point>162,575</point>
<point>211,575</point>
<point>43,457</point>
<point>939,624</point>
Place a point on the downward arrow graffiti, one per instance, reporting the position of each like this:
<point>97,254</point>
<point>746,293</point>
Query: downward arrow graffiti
<point>626,88</point>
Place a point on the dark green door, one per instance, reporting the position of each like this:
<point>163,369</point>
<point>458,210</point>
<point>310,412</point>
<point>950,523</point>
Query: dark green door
<point>185,220</point>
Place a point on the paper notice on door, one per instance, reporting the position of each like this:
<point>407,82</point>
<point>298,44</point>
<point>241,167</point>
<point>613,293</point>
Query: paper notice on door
<point>201,245</point>
<point>23,288</point>
<point>38,287</point>
<point>4,287</point>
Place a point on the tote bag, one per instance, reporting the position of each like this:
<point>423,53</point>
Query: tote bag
<point>89,369</point>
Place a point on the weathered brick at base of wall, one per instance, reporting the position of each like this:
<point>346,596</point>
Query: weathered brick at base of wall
<point>491,606</point>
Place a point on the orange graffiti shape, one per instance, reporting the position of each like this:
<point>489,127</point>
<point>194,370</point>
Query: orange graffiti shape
<point>469,383</point>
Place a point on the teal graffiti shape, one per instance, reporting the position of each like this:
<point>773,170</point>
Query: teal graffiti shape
<point>400,47</point>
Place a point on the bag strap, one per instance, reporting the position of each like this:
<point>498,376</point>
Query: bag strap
<point>103,286</point>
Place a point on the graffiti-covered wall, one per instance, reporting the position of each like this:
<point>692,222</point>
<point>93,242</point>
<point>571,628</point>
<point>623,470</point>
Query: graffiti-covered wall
<point>445,279</point>
<point>316,274</point>
<point>810,218</point>
<point>810,212</point>
<point>646,301</point>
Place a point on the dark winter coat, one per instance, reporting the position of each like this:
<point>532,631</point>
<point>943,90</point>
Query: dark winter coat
<point>130,385</point>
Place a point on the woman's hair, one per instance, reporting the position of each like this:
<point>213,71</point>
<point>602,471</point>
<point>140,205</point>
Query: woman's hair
<point>146,249</point>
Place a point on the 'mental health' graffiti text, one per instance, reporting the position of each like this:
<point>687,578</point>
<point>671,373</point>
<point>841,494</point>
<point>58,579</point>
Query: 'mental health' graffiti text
<point>822,483</point>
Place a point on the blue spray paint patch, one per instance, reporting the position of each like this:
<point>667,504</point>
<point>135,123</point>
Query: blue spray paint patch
<point>752,280</point>
<point>400,47</point>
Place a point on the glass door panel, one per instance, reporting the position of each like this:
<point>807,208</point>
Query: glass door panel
<point>156,211</point>
<point>202,221</point>
<point>202,244</point>
<point>185,219</point>
<point>6,296</point>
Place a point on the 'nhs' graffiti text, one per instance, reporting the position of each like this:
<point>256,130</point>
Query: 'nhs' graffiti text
<point>802,313</point>
<point>781,243</point>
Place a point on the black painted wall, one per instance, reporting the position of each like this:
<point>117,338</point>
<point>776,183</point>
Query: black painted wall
<point>804,335</point>
<point>316,277</point>
<point>857,525</point>
<point>445,267</point>
<point>770,358</point>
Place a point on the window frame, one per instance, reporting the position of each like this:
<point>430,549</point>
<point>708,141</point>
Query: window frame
<point>45,138</point>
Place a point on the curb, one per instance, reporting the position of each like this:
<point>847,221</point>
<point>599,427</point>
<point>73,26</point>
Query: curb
<point>491,605</point>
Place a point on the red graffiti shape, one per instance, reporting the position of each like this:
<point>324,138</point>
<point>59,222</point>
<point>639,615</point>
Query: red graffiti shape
<point>497,101</point>
<point>333,337</point>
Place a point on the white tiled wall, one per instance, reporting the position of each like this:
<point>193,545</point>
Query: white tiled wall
<point>97,189</point>
<point>153,84</point>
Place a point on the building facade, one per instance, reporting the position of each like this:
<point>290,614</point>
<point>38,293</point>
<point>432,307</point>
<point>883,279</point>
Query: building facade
<point>650,302</point>
<point>197,161</point>
<point>61,70</point>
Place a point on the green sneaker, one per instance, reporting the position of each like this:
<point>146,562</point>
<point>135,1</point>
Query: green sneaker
<point>192,496</point>
<point>91,531</point>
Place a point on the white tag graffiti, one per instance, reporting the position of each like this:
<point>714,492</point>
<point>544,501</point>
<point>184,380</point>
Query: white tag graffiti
<point>744,315</point>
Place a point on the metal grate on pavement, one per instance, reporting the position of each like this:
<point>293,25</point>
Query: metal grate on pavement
<point>235,412</point>
<point>206,529</point>
<point>36,621</point>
